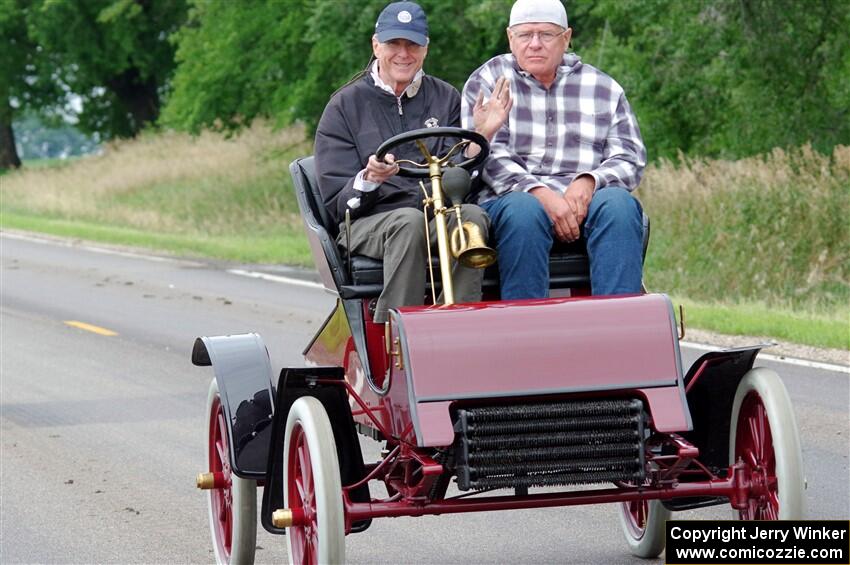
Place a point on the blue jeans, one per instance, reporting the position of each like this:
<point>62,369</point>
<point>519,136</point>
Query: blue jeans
<point>612,232</point>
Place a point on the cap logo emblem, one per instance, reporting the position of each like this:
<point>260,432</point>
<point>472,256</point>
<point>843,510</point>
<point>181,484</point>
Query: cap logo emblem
<point>405,17</point>
<point>432,123</point>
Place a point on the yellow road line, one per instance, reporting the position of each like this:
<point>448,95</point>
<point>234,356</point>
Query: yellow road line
<point>90,328</point>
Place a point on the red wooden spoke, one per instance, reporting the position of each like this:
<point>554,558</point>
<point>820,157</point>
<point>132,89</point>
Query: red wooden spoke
<point>754,445</point>
<point>222,498</point>
<point>305,540</point>
<point>638,510</point>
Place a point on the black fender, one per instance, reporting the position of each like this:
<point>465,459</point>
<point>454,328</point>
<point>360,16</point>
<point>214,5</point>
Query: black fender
<point>293,384</point>
<point>710,386</point>
<point>244,376</point>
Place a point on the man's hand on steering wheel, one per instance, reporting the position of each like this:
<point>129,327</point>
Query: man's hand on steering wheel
<point>379,171</point>
<point>416,169</point>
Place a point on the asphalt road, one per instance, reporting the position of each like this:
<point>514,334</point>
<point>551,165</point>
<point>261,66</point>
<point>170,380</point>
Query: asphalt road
<point>102,435</point>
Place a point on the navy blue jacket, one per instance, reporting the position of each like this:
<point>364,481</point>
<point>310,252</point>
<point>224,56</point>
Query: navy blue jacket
<point>358,118</point>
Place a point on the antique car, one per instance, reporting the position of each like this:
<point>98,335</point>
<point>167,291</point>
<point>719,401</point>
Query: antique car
<point>496,405</point>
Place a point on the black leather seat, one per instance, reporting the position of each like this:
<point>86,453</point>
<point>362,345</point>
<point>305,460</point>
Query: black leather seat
<point>568,263</point>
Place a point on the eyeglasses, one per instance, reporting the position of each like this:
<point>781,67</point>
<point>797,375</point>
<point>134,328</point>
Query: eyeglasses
<point>546,37</point>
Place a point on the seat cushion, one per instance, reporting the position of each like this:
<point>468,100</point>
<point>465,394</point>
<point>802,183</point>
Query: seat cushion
<point>567,268</point>
<point>366,271</point>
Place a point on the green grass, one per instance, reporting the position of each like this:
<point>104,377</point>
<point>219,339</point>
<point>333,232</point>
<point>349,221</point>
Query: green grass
<point>211,196</point>
<point>816,329</point>
<point>771,229</point>
<point>287,245</point>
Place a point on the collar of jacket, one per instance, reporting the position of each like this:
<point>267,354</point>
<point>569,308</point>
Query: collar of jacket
<point>411,90</point>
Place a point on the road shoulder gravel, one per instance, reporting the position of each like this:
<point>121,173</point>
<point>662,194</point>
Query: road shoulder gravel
<point>780,349</point>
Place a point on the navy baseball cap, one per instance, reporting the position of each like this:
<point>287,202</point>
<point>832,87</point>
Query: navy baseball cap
<point>402,20</point>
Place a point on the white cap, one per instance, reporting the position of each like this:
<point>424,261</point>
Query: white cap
<point>538,11</point>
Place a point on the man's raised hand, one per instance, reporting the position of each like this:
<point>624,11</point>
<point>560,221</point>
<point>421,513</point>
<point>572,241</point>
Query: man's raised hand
<point>488,117</point>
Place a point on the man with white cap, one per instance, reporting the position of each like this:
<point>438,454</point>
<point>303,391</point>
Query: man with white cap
<point>563,164</point>
<point>393,95</point>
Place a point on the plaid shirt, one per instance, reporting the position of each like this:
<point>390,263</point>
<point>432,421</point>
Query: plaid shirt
<point>581,125</point>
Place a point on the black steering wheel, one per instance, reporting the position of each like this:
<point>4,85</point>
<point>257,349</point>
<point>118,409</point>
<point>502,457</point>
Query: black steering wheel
<point>420,170</point>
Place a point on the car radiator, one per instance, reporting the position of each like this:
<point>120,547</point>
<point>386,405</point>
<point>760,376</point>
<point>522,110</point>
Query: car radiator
<point>557,443</point>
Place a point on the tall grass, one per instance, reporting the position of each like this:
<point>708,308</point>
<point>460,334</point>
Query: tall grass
<point>203,189</point>
<point>773,230</point>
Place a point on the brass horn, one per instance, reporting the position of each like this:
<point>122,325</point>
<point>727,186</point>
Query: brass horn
<point>467,244</point>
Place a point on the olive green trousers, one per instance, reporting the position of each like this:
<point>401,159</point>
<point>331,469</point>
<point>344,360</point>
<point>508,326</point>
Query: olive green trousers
<point>397,237</point>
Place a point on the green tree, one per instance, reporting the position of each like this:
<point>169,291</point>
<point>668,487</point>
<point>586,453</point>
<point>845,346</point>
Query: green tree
<point>795,88</point>
<point>12,65</point>
<point>282,59</point>
<point>722,78</point>
<point>112,57</point>
<point>238,61</point>
<point>727,78</point>
<point>24,78</point>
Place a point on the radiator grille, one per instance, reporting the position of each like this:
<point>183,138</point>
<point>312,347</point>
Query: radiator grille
<point>556,443</point>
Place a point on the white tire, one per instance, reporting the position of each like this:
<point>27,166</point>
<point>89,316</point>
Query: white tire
<point>311,482</point>
<point>643,524</point>
<point>233,509</point>
<point>763,433</point>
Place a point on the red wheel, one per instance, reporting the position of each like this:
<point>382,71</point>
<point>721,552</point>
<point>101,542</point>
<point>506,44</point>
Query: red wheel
<point>643,526</point>
<point>754,444</point>
<point>764,436</point>
<point>233,507</point>
<point>312,484</point>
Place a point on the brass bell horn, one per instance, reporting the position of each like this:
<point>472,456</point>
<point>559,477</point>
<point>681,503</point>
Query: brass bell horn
<point>467,243</point>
